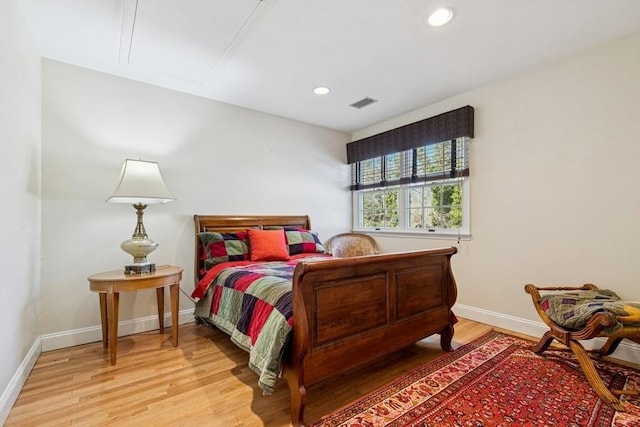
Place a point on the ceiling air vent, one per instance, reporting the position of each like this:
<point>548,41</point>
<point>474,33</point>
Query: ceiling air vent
<point>363,102</point>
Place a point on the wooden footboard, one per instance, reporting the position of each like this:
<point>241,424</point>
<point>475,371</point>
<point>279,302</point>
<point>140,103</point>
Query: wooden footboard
<point>350,311</point>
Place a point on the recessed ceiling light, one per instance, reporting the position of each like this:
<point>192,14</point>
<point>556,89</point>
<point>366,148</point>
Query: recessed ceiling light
<point>440,17</point>
<point>321,90</point>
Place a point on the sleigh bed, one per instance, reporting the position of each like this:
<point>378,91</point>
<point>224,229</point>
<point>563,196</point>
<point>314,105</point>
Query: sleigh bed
<point>321,315</point>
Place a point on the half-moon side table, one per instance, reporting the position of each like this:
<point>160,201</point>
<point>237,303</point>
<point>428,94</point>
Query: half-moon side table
<point>111,283</point>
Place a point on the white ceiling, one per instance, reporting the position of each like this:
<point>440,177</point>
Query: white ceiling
<point>268,55</point>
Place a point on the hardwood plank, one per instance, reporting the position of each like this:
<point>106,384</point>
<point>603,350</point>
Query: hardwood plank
<point>204,381</point>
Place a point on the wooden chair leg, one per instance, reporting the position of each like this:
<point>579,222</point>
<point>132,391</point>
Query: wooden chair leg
<point>609,347</point>
<point>592,376</point>
<point>544,343</point>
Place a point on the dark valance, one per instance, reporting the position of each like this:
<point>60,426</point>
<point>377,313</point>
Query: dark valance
<point>443,127</point>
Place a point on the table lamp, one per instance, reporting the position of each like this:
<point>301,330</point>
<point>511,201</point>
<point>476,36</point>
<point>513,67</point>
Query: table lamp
<point>140,184</point>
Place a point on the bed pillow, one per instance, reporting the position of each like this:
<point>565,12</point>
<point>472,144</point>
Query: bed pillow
<point>302,241</point>
<point>223,247</point>
<point>267,245</point>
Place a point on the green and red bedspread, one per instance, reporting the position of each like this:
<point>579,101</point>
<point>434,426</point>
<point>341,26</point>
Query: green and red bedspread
<point>252,302</point>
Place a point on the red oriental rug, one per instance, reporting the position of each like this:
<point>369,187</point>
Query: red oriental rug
<point>495,381</point>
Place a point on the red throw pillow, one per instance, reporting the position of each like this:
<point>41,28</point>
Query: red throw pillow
<point>268,245</point>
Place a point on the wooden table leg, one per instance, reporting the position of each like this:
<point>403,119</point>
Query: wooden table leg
<point>160,300</point>
<point>175,299</point>
<point>113,299</point>
<point>104,319</point>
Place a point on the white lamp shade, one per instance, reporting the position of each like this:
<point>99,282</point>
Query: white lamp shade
<point>141,182</point>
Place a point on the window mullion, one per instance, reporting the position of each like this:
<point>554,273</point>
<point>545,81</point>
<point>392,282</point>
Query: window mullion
<point>403,204</point>
<point>454,158</point>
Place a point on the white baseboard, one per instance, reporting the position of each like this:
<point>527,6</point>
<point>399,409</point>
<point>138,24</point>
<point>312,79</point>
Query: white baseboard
<point>11,392</point>
<point>80,336</point>
<point>627,350</point>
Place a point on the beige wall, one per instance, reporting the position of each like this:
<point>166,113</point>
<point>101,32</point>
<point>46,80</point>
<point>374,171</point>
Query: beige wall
<point>215,158</point>
<point>554,169</point>
<point>20,191</point>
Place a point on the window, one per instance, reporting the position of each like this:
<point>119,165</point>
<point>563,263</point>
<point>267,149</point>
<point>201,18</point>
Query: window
<point>379,208</point>
<point>436,206</point>
<point>424,189</point>
<point>414,178</point>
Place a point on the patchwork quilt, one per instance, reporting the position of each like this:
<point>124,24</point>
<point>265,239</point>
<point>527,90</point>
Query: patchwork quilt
<point>252,302</point>
<point>572,310</point>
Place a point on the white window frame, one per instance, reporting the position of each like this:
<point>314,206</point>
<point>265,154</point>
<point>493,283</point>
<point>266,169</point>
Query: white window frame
<point>464,232</point>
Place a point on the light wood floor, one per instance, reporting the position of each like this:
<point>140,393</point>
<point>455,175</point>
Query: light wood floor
<point>205,381</point>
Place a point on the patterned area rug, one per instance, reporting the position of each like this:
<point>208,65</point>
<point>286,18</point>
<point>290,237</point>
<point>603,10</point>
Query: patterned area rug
<point>495,381</point>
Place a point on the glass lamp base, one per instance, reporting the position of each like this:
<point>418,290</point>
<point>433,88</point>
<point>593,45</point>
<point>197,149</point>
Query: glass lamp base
<point>139,247</point>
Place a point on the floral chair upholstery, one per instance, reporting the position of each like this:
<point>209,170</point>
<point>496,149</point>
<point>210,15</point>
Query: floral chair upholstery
<point>348,245</point>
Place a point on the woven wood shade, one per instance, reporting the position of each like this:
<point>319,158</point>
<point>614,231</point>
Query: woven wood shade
<point>443,127</point>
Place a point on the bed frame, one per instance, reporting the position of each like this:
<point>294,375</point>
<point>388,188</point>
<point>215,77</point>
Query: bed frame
<point>349,311</point>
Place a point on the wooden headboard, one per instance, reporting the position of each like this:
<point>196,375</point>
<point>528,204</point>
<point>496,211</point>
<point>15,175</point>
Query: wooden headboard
<point>230,224</point>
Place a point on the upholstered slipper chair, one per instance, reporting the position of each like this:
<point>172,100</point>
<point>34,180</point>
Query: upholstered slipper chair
<point>348,245</point>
